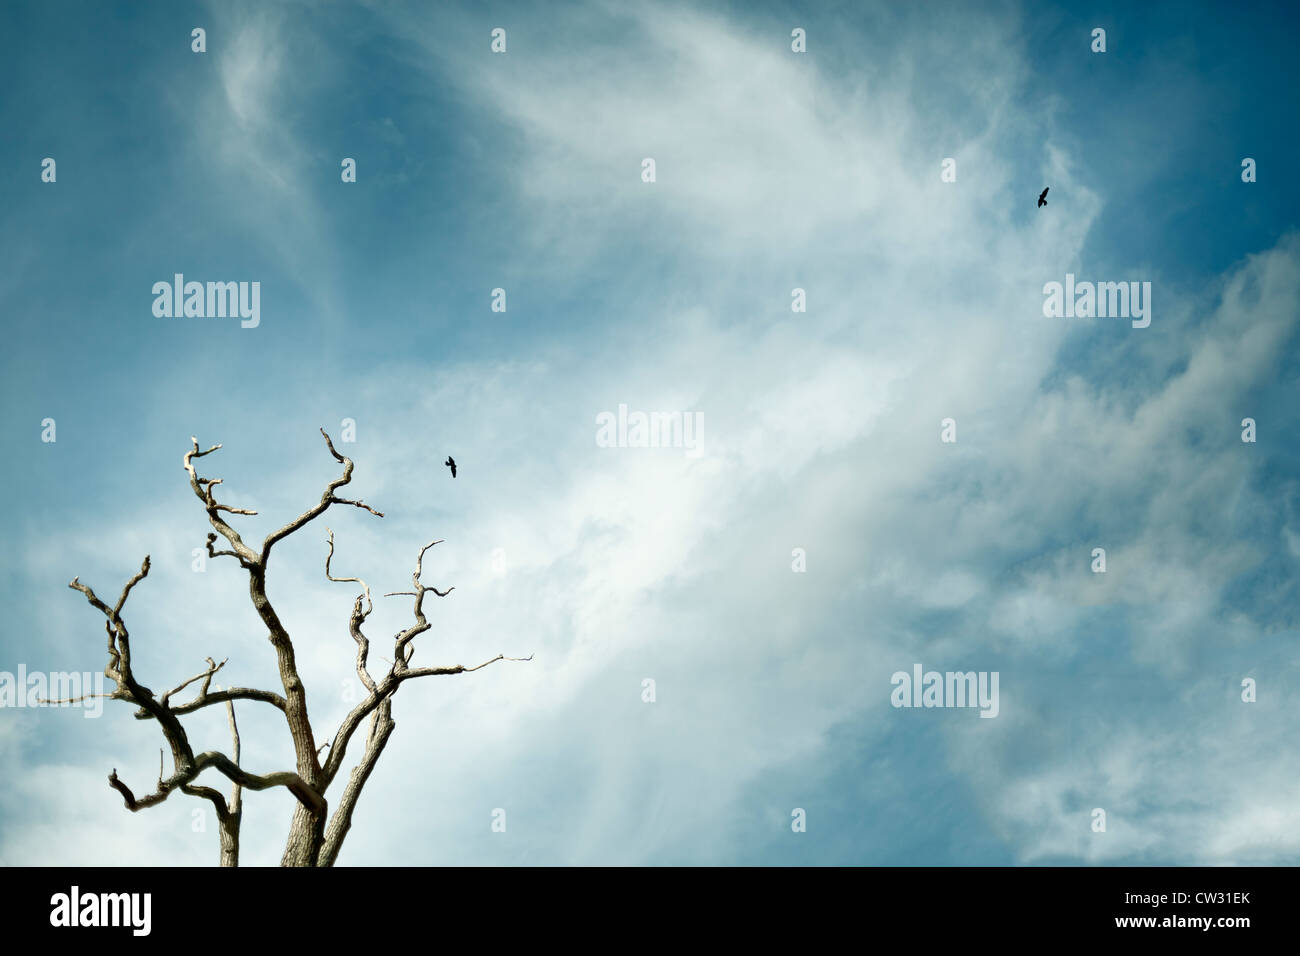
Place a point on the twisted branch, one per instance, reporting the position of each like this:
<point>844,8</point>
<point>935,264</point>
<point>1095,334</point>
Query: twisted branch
<point>311,842</point>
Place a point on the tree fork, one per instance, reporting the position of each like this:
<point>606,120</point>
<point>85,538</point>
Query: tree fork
<point>315,837</point>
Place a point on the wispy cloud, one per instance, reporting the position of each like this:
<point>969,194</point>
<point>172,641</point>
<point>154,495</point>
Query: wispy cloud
<point>821,431</point>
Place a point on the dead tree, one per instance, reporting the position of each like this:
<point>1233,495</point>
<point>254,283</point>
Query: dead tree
<point>315,835</point>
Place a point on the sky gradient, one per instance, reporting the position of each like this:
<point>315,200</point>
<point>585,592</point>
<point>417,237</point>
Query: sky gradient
<point>775,170</point>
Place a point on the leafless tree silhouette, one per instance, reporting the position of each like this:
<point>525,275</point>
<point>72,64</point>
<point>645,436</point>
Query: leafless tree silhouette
<point>315,835</point>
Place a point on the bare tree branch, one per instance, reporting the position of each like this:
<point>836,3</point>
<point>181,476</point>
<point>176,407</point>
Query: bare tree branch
<point>381,728</point>
<point>213,553</point>
<point>187,764</point>
<point>455,668</point>
<point>398,672</point>
<point>218,697</point>
<point>236,804</point>
<point>203,489</point>
<point>326,500</point>
<point>357,619</point>
<point>211,758</point>
<point>71,700</point>
<point>229,818</point>
<point>315,837</point>
<point>330,577</point>
<point>205,676</point>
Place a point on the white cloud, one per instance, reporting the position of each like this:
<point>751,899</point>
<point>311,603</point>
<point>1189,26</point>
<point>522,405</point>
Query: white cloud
<point>821,431</point>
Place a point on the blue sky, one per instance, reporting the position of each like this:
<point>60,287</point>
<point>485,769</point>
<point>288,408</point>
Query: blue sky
<point>775,171</point>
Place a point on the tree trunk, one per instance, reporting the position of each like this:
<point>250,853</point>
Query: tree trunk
<point>306,836</point>
<point>314,840</point>
<point>230,840</point>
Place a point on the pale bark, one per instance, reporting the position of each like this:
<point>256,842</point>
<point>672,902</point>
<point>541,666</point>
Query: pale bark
<point>315,837</point>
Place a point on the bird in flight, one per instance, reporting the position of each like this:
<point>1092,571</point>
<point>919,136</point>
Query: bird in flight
<point>1042,198</point>
<point>451,463</point>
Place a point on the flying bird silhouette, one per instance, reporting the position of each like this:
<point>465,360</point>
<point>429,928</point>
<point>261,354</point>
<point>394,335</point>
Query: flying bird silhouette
<point>451,463</point>
<point>1042,198</point>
